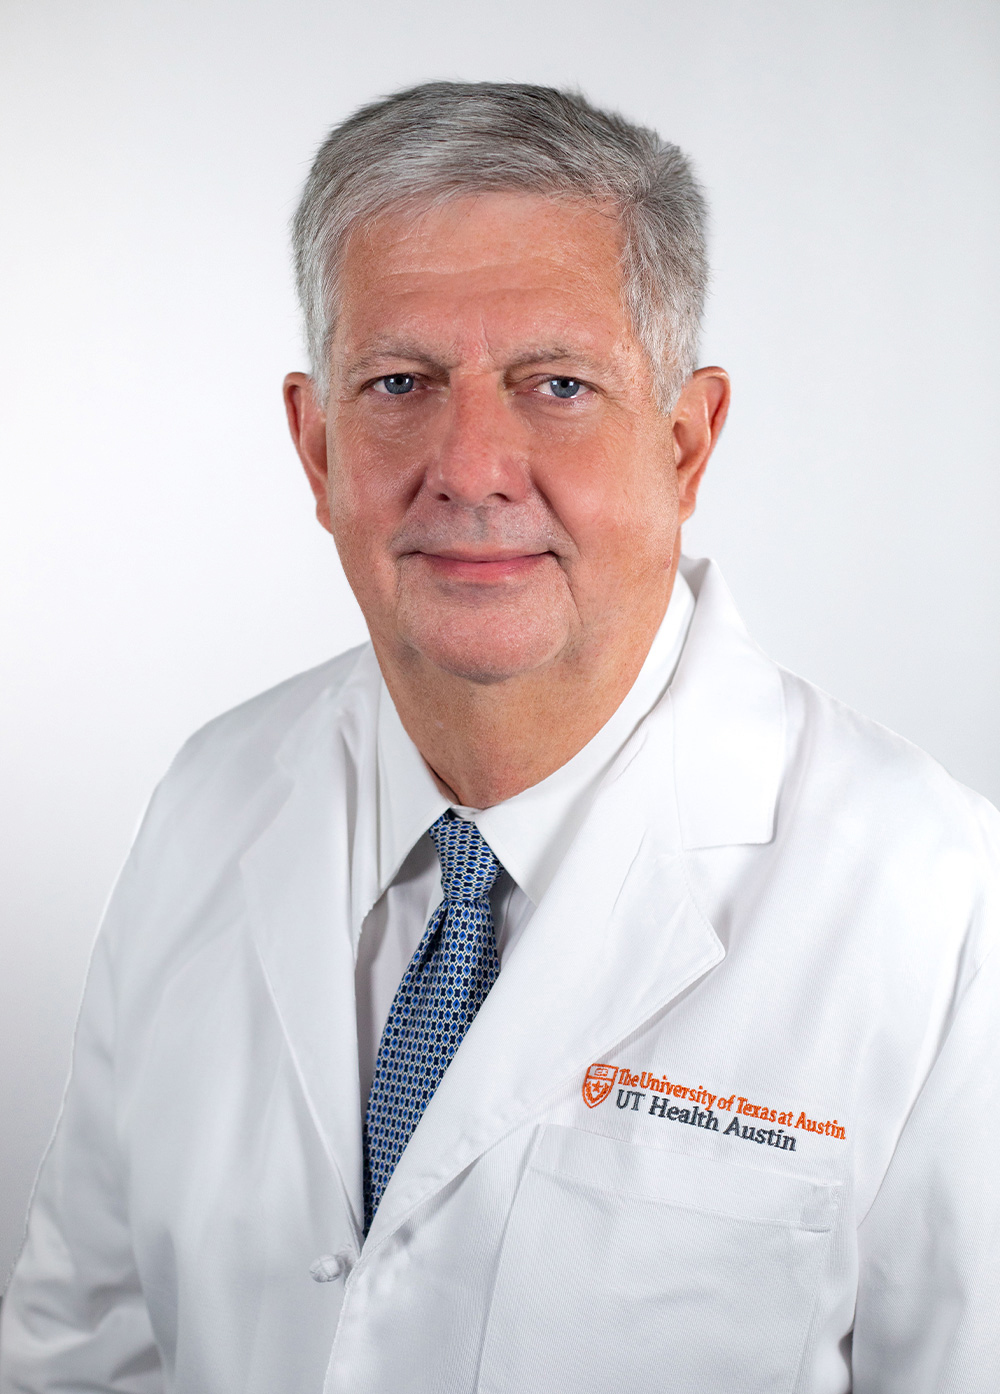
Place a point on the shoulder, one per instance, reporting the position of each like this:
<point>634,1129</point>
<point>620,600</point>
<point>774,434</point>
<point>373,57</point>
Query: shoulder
<point>260,725</point>
<point>852,755</point>
<point>221,786</point>
<point>223,789</point>
<point>882,801</point>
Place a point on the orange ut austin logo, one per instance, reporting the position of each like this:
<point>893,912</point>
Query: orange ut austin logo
<point>597,1084</point>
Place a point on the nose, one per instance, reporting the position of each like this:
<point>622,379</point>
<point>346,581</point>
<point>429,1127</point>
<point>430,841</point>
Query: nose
<point>480,454</point>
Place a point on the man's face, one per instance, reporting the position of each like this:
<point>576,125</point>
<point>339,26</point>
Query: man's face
<point>502,488</point>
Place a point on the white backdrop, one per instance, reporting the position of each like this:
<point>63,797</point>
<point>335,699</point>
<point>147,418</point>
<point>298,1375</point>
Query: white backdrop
<point>159,555</point>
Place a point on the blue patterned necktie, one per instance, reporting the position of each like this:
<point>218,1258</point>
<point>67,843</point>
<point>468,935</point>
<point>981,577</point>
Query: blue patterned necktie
<point>446,983</point>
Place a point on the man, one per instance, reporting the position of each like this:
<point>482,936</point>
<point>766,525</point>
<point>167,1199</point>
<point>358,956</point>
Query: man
<point>553,996</point>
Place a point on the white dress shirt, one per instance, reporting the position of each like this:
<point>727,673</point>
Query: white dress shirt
<point>529,833</point>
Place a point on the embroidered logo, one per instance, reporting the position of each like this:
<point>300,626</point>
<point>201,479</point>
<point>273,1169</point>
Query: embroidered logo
<point>698,1110</point>
<point>598,1083</point>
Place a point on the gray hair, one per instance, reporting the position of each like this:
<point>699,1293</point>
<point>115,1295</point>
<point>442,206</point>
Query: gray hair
<point>442,140</point>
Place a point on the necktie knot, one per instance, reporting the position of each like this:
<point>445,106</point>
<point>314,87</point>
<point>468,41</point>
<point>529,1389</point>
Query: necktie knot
<point>468,866</point>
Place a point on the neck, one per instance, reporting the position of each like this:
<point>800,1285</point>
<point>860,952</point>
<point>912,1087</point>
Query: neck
<point>484,743</point>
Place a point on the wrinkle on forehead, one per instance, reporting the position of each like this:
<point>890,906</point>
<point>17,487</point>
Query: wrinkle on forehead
<point>495,276</point>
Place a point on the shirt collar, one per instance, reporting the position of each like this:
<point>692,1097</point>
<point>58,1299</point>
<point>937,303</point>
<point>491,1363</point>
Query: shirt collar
<point>530,832</point>
<point>408,799</point>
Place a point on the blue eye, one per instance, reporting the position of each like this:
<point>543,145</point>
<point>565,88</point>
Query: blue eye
<point>398,384</point>
<point>564,387</point>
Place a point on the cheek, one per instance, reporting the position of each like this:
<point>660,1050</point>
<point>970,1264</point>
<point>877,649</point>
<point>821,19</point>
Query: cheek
<point>369,486</point>
<point>362,520</point>
<point>617,504</point>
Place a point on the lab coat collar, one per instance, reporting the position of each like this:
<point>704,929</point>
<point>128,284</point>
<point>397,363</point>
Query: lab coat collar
<point>729,719</point>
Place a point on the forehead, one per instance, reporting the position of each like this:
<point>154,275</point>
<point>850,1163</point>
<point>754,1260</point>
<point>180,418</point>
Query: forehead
<point>492,265</point>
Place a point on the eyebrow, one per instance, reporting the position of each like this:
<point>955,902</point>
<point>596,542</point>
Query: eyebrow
<point>377,352</point>
<point>549,353</point>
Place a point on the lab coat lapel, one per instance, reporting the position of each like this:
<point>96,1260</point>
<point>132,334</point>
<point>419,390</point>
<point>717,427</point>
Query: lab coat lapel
<point>309,880</point>
<point>619,934</point>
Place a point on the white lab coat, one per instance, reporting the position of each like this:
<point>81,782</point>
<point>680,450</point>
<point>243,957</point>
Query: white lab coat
<point>776,914</point>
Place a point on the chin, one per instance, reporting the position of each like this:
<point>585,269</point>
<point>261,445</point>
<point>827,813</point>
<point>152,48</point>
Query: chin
<point>485,650</point>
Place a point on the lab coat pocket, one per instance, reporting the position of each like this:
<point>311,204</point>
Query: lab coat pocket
<point>631,1267</point>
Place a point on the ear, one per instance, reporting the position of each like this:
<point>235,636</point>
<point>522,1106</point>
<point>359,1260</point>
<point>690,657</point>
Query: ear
<point>307,423</point>
<point>697,420</point>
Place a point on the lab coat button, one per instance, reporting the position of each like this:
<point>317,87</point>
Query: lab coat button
<point>330,1266</point>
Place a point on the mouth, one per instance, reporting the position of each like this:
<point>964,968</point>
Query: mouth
<point>482,568</point>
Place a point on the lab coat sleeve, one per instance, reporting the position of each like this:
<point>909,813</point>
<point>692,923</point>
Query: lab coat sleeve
<point>928,1309</point>
<point>74,1316</point>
